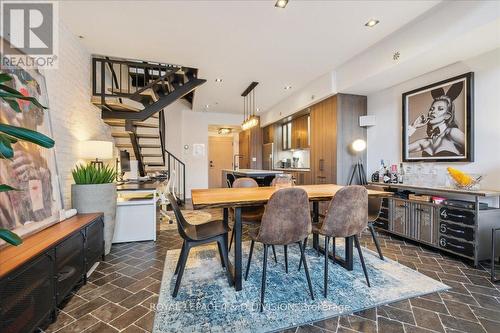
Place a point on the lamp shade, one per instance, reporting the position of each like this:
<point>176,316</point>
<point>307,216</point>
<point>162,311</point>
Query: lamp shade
<point>102,150</point>
<point>359,145</point>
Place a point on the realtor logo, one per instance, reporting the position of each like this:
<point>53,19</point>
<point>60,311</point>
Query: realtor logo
<point>30,30</point>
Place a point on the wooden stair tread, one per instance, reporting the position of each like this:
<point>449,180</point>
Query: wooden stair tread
<point>121,122</point>
<point>117,106</point>
<point>145,145</point>
<point>139,135</point>
<point>152,155</point>
<point>154,164</point>
<point>129,145</point>
<point>123,145</point>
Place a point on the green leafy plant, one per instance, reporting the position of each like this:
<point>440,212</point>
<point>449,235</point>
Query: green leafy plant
<point>12,134</point>
<point>93,174</point>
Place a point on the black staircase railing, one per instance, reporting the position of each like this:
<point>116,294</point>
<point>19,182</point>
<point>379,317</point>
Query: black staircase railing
<point>177,171</point>
<point>129,92</point>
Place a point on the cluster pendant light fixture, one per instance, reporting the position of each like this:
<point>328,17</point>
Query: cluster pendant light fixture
<point>249,118</point>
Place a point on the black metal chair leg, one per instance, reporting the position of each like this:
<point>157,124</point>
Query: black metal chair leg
<point>285,249</point>
<point>179,260</point>
<point>274,253</point>
<point>374,236</point>
<point>300,261</point>
<point>333,249</point>
<point>306,269</point>
<point>231,241</point>
<point>263,287</point>
<point>249,259</point>
<point>225,257</point>
<point>221,255</point>
<point>356,242</point>
<point>325,282</point>
<point>183,260</point>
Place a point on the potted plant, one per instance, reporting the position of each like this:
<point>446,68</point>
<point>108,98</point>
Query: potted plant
<point>95,191</point>
<point>9,135</point>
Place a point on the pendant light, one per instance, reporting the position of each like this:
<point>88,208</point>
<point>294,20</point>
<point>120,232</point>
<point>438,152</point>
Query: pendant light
<point>249,118</point>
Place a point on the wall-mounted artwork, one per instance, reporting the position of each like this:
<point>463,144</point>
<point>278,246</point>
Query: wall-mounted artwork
<point>32,170</point>
<point>438,121</point>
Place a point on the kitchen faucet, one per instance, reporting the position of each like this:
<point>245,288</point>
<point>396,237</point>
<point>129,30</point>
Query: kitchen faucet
<point>234,161</point>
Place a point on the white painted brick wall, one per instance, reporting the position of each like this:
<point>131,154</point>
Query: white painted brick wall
<point>74,118</point>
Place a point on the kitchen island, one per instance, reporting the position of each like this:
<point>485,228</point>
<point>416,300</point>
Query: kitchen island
<point>261,176</point>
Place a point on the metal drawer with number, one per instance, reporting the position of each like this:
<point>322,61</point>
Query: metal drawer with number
<point>456,230</point>
<point>457,246</point>
<point>456,215</point>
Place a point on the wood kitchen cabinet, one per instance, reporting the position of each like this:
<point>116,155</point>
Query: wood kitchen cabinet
<point>334,125</point>
<point>244,145</point>
<point>268,134</point>
<point>300,132</point>
<point>250,146</point>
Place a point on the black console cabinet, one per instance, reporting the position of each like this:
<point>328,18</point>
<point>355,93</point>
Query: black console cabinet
<point>30,292</point>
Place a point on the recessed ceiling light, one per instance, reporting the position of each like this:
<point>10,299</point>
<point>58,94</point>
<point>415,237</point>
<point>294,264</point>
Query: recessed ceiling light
<point>281,3</point>
<point>81,37</point>
<point>207,106</point>
<point>218,80</point>
<point>288,87</point>
<point>371,23</point>
<point>257,109</point>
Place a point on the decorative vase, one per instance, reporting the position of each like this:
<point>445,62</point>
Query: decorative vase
<point>94,198</point>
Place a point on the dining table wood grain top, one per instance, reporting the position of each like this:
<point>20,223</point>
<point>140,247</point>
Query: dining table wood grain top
<point>233,197</point>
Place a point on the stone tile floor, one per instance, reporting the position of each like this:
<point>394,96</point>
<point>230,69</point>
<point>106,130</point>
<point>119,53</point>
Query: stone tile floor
<point>121,293</point>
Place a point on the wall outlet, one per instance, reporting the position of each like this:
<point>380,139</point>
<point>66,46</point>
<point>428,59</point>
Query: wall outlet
<point>254,159</point>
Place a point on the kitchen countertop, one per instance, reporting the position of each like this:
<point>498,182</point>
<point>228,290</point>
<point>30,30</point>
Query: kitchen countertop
<point>254,172</point>
<point>293,169</point>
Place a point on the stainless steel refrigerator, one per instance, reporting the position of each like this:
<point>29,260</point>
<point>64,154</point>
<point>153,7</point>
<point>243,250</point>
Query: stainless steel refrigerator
<point>268,156</point>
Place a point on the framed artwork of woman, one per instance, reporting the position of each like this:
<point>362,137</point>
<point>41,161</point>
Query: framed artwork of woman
<point>438,121</point>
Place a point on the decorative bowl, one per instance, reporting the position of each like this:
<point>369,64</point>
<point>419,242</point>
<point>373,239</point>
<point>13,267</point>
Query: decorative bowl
<point>472,186</point>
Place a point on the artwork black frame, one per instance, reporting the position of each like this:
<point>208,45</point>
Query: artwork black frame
<point>469,102</point>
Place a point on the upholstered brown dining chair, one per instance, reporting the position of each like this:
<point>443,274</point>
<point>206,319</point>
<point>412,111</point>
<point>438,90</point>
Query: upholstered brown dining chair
<point>195,235</point>
<point>249,215</point>
<point>347,216</point>
<point>286,221</point>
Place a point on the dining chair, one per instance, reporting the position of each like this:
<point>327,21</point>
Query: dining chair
<point>346,217</point>
<point>195,235</point>
<point>374,206</point>
<point>249,215</point>
<point>230,178</point>
<point>286,220</point>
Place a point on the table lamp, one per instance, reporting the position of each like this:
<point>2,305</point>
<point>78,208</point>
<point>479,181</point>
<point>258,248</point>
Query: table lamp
<point>96,151</point>
<point>358,146</point>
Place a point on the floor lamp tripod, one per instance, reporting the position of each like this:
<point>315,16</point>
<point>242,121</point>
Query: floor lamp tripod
<point>358,146</point>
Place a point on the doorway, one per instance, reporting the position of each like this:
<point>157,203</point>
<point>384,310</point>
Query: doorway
<point>220,157</point>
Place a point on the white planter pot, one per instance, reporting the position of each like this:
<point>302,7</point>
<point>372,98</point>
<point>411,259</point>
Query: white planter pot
<point>96,198</point>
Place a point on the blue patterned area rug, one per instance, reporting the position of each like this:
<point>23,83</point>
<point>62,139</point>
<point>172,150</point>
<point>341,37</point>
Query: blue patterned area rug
<point>206,302</point>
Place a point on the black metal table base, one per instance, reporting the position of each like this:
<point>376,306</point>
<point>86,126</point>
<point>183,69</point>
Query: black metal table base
<point>347,261</point>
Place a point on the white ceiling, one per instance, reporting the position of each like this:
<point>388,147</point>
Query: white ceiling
<point>239,41</point>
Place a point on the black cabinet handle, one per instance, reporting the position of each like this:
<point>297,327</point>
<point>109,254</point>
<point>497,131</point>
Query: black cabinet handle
<point>321,164</point>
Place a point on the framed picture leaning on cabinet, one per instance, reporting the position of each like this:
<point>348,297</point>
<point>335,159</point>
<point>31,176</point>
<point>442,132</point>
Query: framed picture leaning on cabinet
<point>438,121</point>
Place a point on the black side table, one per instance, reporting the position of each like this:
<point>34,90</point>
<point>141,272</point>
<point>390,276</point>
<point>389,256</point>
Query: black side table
<point>493,255</point>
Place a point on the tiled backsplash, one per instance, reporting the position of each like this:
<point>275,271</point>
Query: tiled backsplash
<point>303,155</point>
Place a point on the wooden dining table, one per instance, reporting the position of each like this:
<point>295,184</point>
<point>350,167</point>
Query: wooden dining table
<point>237,198</point>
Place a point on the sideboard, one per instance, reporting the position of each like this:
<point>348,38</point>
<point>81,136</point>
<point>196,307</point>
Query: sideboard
<point>36,276</point>
<point>463,231</point>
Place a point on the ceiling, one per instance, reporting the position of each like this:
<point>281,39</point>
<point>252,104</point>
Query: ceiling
<point>239,41</point>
